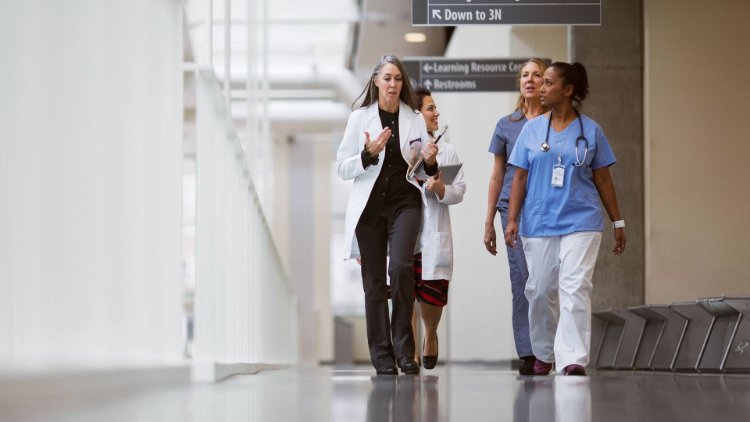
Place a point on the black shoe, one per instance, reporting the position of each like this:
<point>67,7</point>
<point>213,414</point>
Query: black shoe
<point>527,366</point>
<point>408,366</point>
<point>389,370</point>
<point>430,361</point>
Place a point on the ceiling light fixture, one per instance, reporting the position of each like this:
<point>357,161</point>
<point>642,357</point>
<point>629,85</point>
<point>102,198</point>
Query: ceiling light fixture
<point>415,37</point>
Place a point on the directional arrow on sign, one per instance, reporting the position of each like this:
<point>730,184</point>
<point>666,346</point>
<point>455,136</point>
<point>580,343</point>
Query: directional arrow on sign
<point>536,12</point>
<point>427,67</point>
<point>428,84</point>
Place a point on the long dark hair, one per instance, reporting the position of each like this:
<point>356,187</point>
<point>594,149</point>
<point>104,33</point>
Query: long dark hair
<point>370,94</point>
<point>574,74</point>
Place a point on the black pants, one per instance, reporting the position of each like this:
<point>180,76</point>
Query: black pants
<point>389,338</point>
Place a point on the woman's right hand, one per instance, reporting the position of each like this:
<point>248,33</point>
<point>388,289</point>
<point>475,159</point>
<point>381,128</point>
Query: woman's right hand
<point>511,233</point>
<point>374,146</point>
<point>429,153</point>
<point>490,238</point>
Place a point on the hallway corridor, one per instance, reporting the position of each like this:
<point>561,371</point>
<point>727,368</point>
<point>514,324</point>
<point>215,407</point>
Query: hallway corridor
<point>450,393</point>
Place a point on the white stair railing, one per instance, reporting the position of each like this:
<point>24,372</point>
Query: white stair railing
<point>245,310</point>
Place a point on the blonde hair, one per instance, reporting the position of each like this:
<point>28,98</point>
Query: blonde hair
<point>521,103</point>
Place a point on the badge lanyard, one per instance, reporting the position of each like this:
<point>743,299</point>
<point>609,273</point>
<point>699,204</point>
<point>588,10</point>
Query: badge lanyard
<point>558,170</point>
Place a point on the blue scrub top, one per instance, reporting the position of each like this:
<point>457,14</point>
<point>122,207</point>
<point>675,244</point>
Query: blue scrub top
<point>574,207</point>
<point>502,143</point>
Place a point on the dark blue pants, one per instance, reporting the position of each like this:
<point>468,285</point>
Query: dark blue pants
<point>518,276</point>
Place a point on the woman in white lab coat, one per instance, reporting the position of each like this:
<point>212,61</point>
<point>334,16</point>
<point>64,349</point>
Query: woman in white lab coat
<point>383,138</point>
<point>434,265</point>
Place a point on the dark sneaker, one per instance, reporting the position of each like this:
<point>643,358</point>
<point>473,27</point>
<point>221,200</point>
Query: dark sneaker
<point>574,370</point>
<point>527,366</point>
<point>541,367</point>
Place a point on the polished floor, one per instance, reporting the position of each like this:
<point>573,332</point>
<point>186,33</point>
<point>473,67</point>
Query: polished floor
<point>449,393</point>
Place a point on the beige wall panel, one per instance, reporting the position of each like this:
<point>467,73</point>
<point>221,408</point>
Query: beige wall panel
<point>698,199</point>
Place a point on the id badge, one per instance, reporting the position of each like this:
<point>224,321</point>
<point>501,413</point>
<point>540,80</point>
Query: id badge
<point>558,175</point>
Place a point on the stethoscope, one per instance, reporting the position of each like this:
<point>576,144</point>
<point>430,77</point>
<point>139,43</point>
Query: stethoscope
<point>579,162</point>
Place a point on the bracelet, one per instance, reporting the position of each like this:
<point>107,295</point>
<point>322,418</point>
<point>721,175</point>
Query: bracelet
<point>618,224</point>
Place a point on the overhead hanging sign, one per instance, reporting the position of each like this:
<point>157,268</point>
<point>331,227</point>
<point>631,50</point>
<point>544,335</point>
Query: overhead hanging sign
<point>439,74</point>
<point>506,12</point>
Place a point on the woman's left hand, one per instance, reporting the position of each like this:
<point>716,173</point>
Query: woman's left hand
<point>435,184</point>
<point>620,241</point>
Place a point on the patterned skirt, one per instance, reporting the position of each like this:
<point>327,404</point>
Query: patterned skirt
<point>432,292</point>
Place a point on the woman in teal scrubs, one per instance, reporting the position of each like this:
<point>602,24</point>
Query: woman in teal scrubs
<point>562,159</point>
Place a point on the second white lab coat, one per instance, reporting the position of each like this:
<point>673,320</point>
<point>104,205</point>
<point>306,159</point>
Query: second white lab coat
<point>436,239</point>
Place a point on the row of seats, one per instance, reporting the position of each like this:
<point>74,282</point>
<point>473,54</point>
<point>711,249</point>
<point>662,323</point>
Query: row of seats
<point>706,335</point>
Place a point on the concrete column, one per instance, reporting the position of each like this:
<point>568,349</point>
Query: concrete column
<point>613,56</point>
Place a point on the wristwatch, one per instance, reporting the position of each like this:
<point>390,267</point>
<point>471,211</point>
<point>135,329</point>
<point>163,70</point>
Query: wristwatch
<point>618,224</point>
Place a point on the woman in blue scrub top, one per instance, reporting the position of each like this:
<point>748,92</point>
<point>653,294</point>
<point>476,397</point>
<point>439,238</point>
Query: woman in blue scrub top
<point>503,140</point>
<point>563,161</point>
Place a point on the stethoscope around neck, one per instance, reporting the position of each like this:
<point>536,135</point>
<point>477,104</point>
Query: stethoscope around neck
<point>579,162</point>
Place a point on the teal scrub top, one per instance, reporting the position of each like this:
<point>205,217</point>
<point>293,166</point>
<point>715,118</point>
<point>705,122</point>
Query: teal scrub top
<point>503,140</point>
<point>574,207</point>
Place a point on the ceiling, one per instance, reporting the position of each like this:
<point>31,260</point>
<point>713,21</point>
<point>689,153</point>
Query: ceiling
<point>318,54</point>
<point>383,26</point>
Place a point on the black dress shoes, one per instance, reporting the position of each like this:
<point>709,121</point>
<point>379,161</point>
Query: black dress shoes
<point>429,361</point>
<point>389,370</point>
<point>408,366</point>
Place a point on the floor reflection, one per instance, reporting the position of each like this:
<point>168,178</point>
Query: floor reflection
<point>572,399</point>
<point>404,398</point>
<point>557,398</point>
<point>426,398</point>
<point>449,393</point>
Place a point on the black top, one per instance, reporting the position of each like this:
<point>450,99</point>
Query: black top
<point>392,193</point>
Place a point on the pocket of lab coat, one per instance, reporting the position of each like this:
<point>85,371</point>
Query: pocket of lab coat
<point>437,255</point>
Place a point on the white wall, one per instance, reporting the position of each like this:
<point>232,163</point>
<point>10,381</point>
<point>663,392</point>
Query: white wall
<point>479,306</point>
<point>90,182</point>
<point>697,196</point>
<point>321,250</point>
<point>302,229</point>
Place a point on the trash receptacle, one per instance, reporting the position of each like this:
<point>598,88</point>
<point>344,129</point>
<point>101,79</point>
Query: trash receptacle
<point>723,328</point>
<point>652,333</point>
<point>610,341</point>
<point>666,348</point>
<point>598,329</point>
<point>631,336</point>
<point>696,335</point>
<point>738,354</point>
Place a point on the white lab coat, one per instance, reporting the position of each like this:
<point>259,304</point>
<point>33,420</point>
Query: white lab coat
<point>411,126</point>
<point>436,239</point>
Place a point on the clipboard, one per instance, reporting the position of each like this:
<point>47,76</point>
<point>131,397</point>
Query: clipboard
<point>449,172</point>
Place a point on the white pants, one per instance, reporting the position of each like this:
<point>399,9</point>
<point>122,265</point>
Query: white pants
<point>560,272</point>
